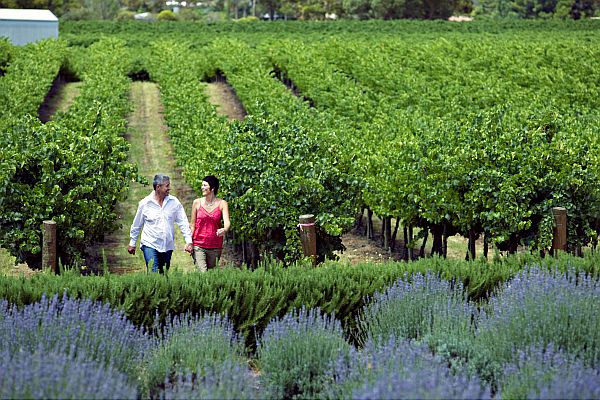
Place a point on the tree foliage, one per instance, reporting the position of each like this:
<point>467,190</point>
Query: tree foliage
<point>322,9</point>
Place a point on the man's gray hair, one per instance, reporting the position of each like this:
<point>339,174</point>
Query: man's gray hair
<point>159,179</point>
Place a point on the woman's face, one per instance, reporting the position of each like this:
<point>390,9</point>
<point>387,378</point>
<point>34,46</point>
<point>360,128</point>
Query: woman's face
<point>206,188</point>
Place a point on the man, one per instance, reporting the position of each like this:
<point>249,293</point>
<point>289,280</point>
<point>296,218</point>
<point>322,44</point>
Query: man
<point>156,213</point>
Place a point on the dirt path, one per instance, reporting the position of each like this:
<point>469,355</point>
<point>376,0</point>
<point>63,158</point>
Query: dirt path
<point>151,151</point>
<point>222,96</point>
<point>61,95</point>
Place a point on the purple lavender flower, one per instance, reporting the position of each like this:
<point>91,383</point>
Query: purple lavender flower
<point>400,369</point>
<point>295,351</point>
<point>45,374</point>
<point>73,327</point>
<point>422,307</point>
<point>578,383</point>
<point>227,380</point>
<point>192,343</point>
<point>547,373</point>
<point>539,307</point>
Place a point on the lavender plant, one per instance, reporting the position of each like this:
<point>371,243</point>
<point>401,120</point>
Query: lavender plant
<point>549,374</point>
<point>424,307</point>
<point>229,380</point>
<point>537,308</point>
<point>398,368</point>
<point>540,307</point>
<point>294,353</point>
<point>194,343</point>
<point>74,327</point>
<point>580,383</point>
<point>43,374</point>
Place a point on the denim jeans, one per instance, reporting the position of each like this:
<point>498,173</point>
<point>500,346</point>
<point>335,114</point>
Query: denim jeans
<point>160,260</point>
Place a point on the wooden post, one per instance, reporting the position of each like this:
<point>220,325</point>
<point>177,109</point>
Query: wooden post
<point>411,237</point>
<point>49,246</point>
<point>308,236</point>
<point>559,236</point>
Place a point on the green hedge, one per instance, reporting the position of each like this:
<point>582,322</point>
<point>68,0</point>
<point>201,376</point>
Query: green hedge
<point>252,298</point>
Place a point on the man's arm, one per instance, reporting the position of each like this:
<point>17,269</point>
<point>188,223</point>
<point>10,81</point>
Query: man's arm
<point>136,227</point>
<point>182,221</point>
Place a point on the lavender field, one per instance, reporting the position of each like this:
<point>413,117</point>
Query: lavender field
<point>536,337</point>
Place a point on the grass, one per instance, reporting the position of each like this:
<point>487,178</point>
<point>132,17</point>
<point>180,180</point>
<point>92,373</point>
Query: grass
<point>224,99</point>
<point>7,261</point>
<point>9,266</point>
<point>66,95</point>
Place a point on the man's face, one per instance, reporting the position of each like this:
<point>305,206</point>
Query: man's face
<point>163,189</point>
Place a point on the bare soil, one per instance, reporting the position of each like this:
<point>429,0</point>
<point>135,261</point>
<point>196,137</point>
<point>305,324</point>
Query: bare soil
<point>360,249</point>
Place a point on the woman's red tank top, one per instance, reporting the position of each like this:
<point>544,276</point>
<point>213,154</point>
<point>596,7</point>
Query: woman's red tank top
<point>207,223</point>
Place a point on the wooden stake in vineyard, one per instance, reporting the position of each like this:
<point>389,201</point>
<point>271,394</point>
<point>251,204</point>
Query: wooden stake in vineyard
<point>559,237</point>
<point>49,246</point>
<point>308,236</point>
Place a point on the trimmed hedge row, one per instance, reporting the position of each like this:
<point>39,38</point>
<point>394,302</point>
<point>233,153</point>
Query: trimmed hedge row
<point>252,298</point>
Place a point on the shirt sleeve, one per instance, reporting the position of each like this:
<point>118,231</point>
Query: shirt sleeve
<point>184,225</point>
<point>136,226</point>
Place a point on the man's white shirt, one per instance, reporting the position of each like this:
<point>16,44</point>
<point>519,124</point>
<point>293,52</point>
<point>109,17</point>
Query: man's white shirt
<point>157,222</point>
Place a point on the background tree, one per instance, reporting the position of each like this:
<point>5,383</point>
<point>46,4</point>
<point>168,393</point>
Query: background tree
<point>436,9</point>
<point>312,10</point>
<point>133,5</point>
<point>388,9</point>
<point>461,6</point>
<point>291,9</point>
<point>525,8</point>
<point>319,9</point>
<point>583,8</point>
<point>359,9</point>
<point>103,9</point>
<point>270,7</point>
<point>8,4</point>
<point>563,9</point>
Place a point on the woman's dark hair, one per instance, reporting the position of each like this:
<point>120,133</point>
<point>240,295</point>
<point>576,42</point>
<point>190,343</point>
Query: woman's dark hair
<point>213,182</point>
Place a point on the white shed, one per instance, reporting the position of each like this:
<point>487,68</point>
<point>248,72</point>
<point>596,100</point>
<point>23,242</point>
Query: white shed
<point>25,26</point>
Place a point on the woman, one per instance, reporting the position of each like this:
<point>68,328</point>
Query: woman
<point>207,233</point>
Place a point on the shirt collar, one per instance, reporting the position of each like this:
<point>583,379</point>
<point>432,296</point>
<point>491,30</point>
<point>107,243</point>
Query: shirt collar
<point>153,198</point>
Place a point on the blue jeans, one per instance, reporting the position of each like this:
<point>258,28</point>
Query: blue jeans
<point>160,260</point>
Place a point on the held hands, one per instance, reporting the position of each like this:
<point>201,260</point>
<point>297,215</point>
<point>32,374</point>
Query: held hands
<point>131,249</point>
<point>189,248</point>
<point>221,232</point>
